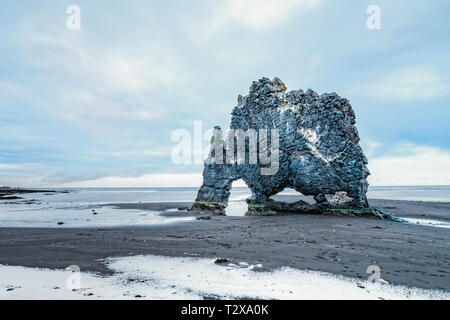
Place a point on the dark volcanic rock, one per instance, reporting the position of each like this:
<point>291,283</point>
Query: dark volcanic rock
<point>317,153</point>
<point>6,191</point>
<point>222,260</point>
<point>272,207</point>
<point>10,198</point>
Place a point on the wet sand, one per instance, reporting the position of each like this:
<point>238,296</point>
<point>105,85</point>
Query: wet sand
<point>407,254</point>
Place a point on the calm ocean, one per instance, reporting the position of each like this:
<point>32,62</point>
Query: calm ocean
<point>74,209</point>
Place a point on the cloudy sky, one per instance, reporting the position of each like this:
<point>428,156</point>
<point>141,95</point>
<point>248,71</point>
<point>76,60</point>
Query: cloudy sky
<point>97,106</point>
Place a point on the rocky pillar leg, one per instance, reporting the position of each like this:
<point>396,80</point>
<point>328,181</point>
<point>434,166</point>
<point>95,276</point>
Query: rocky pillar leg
<point>213,198</point>
<point>360,201</point>
<point>358,194</point>
<point>215,190</point>
<point>257,205</point>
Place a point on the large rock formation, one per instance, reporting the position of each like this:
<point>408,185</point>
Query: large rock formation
<point>312,136</point>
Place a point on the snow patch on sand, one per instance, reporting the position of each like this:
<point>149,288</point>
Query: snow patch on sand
<point>21,283</point>
<point>82,217</point>
<point>156,277</point>
<point>206,278</point>
<point>426,222</point>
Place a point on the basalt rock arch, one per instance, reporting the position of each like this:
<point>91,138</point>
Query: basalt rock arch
<point>318,151</point>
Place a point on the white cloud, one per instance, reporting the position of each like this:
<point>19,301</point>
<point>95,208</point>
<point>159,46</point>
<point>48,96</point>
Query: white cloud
<point>146,180</point>
<point>14,178</point>
<point>369,146</point>
<point>50,180</point>
<point>4,166</point>
<point>256,15</point>
<point>90,83</point>
<point>411,165</point>
<point>141,68</point>
<point>418,82</point>
<point>135,154</point>
<point>8,90</point>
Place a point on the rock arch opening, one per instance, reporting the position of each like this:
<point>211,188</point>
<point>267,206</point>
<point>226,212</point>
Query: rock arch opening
<point>289,195</point>
<point>237,201</point>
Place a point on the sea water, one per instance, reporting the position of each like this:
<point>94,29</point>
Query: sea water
<point>74,209</point>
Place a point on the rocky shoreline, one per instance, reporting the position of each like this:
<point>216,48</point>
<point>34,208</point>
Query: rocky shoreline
<point>273,207</point>
<point>7,193</point>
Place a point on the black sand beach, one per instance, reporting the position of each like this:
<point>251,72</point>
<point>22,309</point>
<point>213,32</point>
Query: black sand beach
<point>407,254</point>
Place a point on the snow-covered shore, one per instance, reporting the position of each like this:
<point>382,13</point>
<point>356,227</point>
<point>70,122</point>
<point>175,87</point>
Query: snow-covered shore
<point>156,277</point>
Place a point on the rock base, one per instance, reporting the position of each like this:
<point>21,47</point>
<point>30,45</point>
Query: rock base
<point>216,207</point>
<point>272,207</point>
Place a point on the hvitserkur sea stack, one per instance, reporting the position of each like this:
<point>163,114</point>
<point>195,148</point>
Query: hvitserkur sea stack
<point>318,149</point>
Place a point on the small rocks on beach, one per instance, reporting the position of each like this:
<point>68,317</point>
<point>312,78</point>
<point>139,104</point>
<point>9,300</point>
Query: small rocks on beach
<point>222,260</point>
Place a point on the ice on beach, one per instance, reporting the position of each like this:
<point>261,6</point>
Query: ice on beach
<point>20,283</point>
<point>74,209</point>
<point>156,277</point>
<point>426,222</point>
<point>43,216</point>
